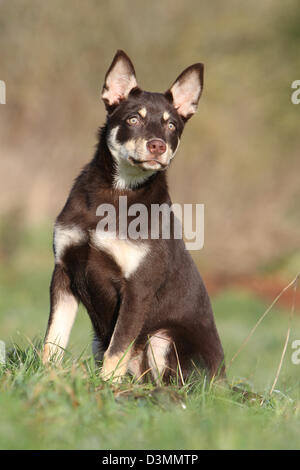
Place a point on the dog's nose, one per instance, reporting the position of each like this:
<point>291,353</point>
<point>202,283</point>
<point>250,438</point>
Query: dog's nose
<point>156,147</point>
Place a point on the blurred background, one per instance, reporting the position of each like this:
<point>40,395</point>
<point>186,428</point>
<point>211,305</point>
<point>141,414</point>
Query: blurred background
<point>239,155</point>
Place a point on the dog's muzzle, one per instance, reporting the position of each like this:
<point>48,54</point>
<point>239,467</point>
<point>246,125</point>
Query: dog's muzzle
<point>156,147</point>
<point>156,157</point>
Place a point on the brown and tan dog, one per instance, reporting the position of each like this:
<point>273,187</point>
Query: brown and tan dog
<point>146,300</point>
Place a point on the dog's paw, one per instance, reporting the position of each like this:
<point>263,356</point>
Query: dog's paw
<point>114,367</point>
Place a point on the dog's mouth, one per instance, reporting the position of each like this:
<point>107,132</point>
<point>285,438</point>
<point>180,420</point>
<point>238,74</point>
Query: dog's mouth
<point>156,164</point>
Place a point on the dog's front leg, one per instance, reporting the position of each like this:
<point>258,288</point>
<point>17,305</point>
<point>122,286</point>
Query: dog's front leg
<point>127,328</point>
<point>62,315</point>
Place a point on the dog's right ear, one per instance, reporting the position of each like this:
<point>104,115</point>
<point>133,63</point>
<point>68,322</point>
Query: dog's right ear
<point>119,81</point>
<point>186,91</point>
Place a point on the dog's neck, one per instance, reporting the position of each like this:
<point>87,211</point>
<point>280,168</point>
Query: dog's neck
<point>121,176</point>
<point>130,177</point>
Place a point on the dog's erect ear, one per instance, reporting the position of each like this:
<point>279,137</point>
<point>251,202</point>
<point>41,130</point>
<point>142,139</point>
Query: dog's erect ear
<point>186,91</point>
<point>119,80</point>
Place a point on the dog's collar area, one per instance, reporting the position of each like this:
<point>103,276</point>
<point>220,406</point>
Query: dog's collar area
<point>129,176</point>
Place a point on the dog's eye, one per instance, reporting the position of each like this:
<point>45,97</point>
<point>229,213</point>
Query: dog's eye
<point>133,121</point>
<point>171,126</point>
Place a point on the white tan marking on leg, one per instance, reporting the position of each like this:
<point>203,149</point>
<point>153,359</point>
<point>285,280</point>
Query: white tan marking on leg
<point>135,364</point>
<point>66,236</point>
<point>59,331</point>
<point>157,350</point>
<point>115,366</point>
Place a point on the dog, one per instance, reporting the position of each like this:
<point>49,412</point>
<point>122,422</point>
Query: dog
<point>150,311</point>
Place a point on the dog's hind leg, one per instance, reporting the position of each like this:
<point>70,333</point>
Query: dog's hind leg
<point>97,349</point>
<point>210,349</point>
<point>158,348</point>
<point>62,315</point>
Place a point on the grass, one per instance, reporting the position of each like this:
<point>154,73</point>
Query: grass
<point>70,407</point>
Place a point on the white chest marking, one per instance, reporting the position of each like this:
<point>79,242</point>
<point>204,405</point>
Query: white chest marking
<point>66,236</point>
<point>127,254</point>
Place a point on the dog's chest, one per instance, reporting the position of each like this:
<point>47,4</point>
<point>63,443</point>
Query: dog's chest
<point>128,255</point>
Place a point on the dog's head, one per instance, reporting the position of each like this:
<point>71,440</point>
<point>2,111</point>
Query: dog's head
<point>144,129</point>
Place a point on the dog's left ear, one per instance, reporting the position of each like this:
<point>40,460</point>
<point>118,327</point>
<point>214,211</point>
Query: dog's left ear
<point>119,81</point>
<point>186,91</point>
